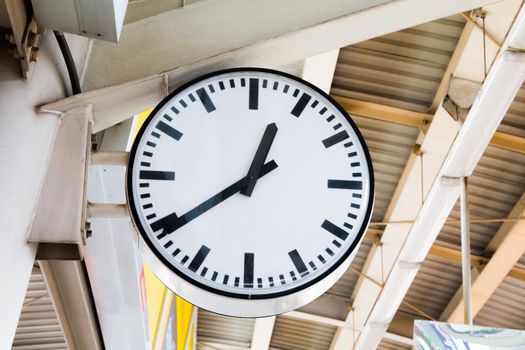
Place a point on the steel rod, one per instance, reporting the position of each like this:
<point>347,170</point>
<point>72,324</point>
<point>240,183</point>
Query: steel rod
<point>465,252</point>
<point>107,211</point>
<point>109,158</point>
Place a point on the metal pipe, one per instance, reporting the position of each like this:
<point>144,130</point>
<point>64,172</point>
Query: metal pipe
<point>465,252</point>
<point>107,211</point>
<point>109,158</point>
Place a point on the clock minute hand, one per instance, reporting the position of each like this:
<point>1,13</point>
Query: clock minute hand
<point>259,158</point>
<point>172,222</point>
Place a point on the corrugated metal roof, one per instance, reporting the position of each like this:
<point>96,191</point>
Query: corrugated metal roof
<point>390,145</point>
<point>514,120</point>
<point>38,326</point>
<point>434,286</point>
<point>390,345</point>
<point>506,307</point>
<point>402,69</point>
<point>292,334</point>
<point>346,284</point>
<point>228,332</point>
<point>494,188</point>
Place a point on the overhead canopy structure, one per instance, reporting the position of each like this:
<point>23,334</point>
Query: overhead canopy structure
<point>391,65</point>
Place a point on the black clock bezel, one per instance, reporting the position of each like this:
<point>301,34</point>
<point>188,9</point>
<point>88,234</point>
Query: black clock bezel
<point>162,259</point>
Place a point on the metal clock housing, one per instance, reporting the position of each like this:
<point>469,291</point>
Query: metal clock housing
<point>251,191</point>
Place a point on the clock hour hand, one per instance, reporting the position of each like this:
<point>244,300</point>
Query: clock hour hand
<point>172,222</point>
<point>259,158</point>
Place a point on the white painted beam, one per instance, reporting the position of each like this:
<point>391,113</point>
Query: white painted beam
<point>70,292</point>
<point>177,58</point>
<point>319,70</point>
<point>262,333</point>
<point>497,93</point>
<point>405,246</point>
<point>25,143</point>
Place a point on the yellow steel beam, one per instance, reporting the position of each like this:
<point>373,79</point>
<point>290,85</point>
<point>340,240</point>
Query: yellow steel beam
<point>508,142</point>
<point>417,119</point>
<point>383,112</point>
<point>454,255</point>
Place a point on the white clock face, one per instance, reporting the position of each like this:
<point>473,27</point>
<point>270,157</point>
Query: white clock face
<point>309,199</point>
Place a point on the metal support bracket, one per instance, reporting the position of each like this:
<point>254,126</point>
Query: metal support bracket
<point>60,214</point>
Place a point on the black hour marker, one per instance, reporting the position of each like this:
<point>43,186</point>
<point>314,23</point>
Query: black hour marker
<point>176,252</point>
<point>204,271</point>
<point>248,269</point>
<point>221,85</point>
<point>214,276</point>
<point>199,258</point>
<point>345,184</point>
<point>175,110</point>
<point>253,102</point>
<point>168,130</point>
<point>232,83</point>
<point>183,261</point>
<point>183,103</point>
<point>192,98</point>
<point>205,99</point>
<point>298,262</point>
<point>296,92</point>
<point>167,117</point>
<point>168,244</point>
<point>157,175</point>
<point>335,139</point>
<point>335,230</point>
<point>301,104</point>
<point>225,279</point>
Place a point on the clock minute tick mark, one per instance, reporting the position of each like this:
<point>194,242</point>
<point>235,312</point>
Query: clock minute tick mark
<point>205,100</point>
<point>335,139</point>
<point>335,230</point>
<point>301,104</point>
<point>168,130</point>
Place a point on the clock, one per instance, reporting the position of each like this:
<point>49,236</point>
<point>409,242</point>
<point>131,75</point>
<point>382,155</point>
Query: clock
<point>251,191</point>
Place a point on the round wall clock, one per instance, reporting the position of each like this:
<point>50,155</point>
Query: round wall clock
<point>251,191</point>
